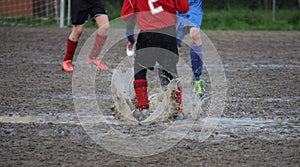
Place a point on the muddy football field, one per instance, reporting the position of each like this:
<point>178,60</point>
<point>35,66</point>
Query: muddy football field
<point>260,124</point>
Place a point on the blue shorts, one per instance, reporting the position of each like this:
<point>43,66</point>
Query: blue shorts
<point>193,18</point>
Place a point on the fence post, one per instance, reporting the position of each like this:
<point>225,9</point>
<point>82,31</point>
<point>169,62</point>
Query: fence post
<point>69,12</point>
<point>62,13</point>
<point>47,8</point>
<point>274,10</point>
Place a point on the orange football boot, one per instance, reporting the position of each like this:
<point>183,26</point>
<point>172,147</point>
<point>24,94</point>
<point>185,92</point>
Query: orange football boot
<point>97,61</point>
<point>67,66</point>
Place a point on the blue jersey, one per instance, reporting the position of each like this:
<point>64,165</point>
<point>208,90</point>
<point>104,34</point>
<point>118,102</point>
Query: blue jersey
<point>193,18</point>
<point>195,12</point>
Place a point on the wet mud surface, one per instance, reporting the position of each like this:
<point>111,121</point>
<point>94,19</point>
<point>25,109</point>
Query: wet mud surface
<point>260,124</point>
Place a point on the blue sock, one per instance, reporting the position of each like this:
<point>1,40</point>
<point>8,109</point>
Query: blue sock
<point>196,55</point>
<point>179,42</point>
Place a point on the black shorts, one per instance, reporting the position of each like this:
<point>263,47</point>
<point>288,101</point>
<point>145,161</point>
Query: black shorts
<point>82,9</point>
<point>157,46</point>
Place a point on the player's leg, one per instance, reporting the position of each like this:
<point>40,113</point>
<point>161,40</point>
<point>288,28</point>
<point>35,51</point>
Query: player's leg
<point>72,41</point>
<point>182,28</point>
<point>166,43</point>
<point>140,88</point>
<point>78,19</point>
<point>103,24</point>
<point>71,48</point>
<point>170,76</point>
<point>165,77</point>
<point>144,59</point>
<point>99,15</point>
<point>168,59</point>
<point>196,55</point>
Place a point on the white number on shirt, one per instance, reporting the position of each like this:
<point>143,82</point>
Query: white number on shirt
<point>154,10</point>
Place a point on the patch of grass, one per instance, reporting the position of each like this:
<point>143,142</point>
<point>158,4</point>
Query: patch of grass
<point>29,22</point>
<point>245,19</point>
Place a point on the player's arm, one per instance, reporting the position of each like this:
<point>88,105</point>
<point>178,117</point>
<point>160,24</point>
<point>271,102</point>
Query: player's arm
<point>182,6</point>
<point>128,14</point>
<point>128,10</point>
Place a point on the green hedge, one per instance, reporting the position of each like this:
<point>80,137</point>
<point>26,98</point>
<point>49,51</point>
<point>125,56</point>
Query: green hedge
<point>244,19</point>
<point>248,4</point>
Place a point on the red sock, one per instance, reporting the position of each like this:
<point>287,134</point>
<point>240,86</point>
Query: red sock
<point>71,47</point>
<point>178,97</point>
<point>98,44</point>
<point>140,87</point>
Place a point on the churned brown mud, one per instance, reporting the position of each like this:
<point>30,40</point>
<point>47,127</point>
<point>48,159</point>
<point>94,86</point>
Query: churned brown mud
<point>260,124</point>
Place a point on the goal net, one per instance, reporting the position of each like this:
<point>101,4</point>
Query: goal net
<point>33,12</point>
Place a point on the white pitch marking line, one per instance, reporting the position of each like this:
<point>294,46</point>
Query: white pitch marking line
<point>223,122</point>
<point>234,65</point>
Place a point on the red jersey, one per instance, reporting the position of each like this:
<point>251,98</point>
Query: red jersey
<point>156,14</point>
